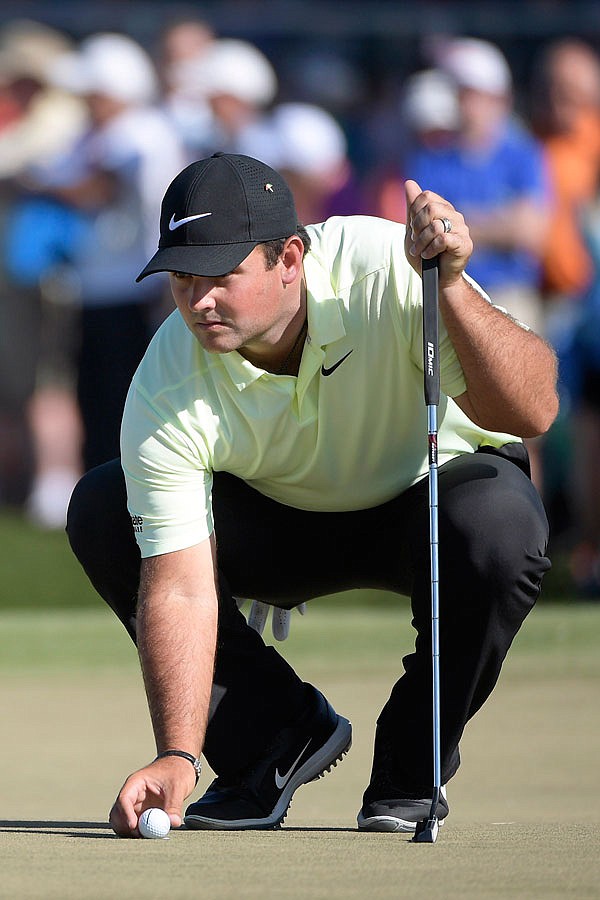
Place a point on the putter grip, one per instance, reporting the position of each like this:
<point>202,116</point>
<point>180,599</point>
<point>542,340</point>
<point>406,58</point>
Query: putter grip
<point>431,362</point>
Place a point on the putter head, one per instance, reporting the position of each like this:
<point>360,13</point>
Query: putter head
<point>426,831</point>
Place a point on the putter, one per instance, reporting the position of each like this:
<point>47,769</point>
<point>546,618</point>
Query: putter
<point>426,831</point>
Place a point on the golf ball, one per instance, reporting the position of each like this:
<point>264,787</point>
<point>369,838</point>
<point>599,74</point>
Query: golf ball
<point>154,823</point>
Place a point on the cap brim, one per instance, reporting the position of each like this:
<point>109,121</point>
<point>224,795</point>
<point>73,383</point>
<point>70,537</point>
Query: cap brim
<point>211,261</point>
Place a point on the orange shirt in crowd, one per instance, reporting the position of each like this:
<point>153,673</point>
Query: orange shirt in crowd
<point>574,161</point>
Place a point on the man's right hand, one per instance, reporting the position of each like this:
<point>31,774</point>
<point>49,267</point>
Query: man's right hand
<point>165,784</point>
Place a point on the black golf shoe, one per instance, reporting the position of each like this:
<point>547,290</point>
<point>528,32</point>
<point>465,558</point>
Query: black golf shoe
<point>399,814</point>
<point>260,796</point>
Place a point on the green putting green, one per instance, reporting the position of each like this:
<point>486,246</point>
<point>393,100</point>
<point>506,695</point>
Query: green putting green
<point>524,820</point>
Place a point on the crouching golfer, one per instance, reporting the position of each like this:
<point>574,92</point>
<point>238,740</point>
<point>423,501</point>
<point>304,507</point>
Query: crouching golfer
<point>274,446</point>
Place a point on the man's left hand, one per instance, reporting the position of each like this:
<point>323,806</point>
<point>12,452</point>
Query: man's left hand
<point>434,227</point>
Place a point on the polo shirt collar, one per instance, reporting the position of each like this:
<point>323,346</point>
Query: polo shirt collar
<point>325,320</point>
<point>240,370</point>
<point>325,326</point>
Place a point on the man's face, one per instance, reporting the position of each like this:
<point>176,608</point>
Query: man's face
<point>103,108</point>
<point>247,309</point>
<point>481,112</point>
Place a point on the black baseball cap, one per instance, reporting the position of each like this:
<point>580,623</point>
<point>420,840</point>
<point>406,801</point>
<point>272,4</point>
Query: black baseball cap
<point>216,211</point>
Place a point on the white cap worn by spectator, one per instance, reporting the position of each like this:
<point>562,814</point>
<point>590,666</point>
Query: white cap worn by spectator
<point>109,64</point>
<point>429,102</point>
<point>235,68</point>
<point>28,48</point>
<point>309,147</point>
<point>308,139</point>
<point>50,119</point>
<point>239,83</point>
<point>476,64</point>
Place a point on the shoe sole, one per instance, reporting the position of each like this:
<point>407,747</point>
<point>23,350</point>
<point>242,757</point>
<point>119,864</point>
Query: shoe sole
<point>388,823</point>
<point>394,823</point>
<point>326,759</point>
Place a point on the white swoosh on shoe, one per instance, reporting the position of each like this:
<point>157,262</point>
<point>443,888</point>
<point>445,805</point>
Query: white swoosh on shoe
<point>282,780</point>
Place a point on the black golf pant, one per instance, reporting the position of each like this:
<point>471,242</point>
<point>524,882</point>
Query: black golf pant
<point>492,541</point>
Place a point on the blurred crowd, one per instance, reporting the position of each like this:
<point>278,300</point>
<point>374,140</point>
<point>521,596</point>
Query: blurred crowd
<point>91,133</point>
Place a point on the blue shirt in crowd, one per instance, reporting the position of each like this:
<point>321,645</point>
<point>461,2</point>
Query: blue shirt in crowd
<point>513,168</point>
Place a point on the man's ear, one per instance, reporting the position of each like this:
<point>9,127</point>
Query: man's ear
<point>291,259</point>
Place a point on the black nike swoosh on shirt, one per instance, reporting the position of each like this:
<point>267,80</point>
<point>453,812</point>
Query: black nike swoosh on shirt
<point>332,368</point>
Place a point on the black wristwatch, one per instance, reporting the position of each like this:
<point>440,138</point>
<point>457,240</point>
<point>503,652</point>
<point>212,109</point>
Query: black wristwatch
<point>184,755</point>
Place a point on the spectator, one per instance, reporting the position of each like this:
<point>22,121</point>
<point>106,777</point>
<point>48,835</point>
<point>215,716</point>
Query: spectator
<point>566,117</point>
<point>309,147</point>
<point>430,119</point>
<point>240,85</point>
<point>115,176</point>
<point>183,43</point>
<point>585,388</point>
<point>37,121</point>
<point>566,114</point>
<point>495,172</point>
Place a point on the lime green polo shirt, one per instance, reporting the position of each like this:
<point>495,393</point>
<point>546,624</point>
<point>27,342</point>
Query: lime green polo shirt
<point>349,432</point>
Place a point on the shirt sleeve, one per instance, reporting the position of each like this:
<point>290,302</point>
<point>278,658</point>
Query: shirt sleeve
<point>168,486</point>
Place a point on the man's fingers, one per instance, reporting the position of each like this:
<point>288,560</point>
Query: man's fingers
<point>280,623</point>
<point>123,820</point>
<point>128,806</point>
<point>257,617</point>
<point>174,815</point>
<point>434,227</point>
<point>412,190</point>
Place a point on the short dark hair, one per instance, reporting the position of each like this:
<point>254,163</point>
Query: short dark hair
<point>274,249</point>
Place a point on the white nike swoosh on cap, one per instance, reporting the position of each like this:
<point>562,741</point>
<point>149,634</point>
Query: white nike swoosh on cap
<point>177,223</point>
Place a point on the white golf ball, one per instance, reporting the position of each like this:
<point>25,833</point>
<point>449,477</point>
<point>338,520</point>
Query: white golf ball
<point>154,823</point>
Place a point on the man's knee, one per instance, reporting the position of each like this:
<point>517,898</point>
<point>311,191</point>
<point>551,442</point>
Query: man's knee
<point>490,495</point>
<point>102,539</point>
<point>97,504</point>
<point>493,522</point>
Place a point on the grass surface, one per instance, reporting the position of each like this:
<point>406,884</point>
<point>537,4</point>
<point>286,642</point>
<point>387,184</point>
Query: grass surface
<point>524,819</point>
<point>38,569</point>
